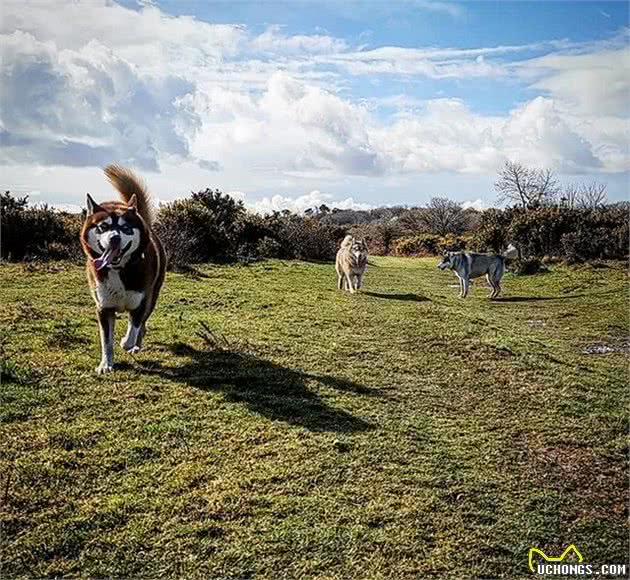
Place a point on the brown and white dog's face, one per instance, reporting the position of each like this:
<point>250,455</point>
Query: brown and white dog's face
<point>112,233</point>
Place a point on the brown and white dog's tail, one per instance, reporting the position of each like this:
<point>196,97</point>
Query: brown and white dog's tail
<point>128,185</point>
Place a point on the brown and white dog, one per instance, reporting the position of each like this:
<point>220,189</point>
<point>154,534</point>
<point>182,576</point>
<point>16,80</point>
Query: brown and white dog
<point>125,261</point>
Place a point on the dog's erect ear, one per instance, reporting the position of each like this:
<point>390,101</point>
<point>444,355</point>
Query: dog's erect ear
<point>92,206</point>
<point>133,202</point>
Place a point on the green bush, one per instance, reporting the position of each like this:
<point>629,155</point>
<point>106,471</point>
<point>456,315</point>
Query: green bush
<point>450,243</point>
<point>491,234</point>
<point>555,232</point>
<point>37,233</point>
<point>269,248</point>
<point>430,244</point>
<point>306,238</point>
<point>419,245</point>
<point>526,267</point>
<point>181,227</point>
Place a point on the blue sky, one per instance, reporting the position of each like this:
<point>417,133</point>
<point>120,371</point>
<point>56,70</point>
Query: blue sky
<point>286,104</point>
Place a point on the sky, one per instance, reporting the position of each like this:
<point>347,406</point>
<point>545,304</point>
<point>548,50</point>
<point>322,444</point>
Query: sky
<point>290,104</point>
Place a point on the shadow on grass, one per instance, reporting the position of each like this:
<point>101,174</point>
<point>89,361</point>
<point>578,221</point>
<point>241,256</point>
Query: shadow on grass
<point>409,296</point>
<point>531,298</point>
<point>277,392</point>
<point>543,298</point>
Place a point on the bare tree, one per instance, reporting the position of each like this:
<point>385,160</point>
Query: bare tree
<point>592,195</point>
<point>413,220</point>
<point>443,216</point>
<point>585,195</point>
<point>525,186</point>
<point>570,196</point>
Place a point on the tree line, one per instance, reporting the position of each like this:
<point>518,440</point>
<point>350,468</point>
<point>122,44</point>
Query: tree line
<point>543,218</point>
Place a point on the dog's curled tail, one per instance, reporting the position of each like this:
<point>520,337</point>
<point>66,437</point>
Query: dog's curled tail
<point>511,253</point>
<point>129,184</point>
<point>347,241</point>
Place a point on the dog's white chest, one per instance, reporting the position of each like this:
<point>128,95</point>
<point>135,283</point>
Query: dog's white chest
<point>111,293</point>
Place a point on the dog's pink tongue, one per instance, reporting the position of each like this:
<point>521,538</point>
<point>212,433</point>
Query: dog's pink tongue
<point>106,258</point>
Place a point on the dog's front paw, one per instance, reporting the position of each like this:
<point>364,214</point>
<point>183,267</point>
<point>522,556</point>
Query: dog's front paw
<point>104,367</point>
<point>133,349</point>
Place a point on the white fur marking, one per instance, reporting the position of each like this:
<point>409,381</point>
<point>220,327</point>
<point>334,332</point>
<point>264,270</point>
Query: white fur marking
<point>111,293</point>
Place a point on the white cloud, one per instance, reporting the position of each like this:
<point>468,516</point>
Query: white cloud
<point>435,62</point>
<point>314,199</point>
<point>450,8</point>
<point>272,41</point>
<point>85,84</point>
<point>68,207</point>
<point>87,107</point>
<point>148,38</point>
<point>596,83</point>
<point>291,126</point>
<point>478,204</point>
<point>537,134</point>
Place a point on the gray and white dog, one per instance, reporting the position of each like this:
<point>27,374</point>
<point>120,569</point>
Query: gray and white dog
<point>467,265</point>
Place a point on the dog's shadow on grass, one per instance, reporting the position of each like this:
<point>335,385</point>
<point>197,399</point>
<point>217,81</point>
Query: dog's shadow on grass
<point>408,297</point>
<point>557,298</point>
<point>277,392</point>
<point>530,298</point>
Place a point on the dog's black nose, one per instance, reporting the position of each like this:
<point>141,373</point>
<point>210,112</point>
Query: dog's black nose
<point>114,241</point>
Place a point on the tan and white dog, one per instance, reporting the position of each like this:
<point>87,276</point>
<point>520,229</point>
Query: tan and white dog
<point>351,264</point>
<point>125,261</point>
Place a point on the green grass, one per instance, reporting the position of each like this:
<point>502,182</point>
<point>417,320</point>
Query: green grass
<point>397,433</point>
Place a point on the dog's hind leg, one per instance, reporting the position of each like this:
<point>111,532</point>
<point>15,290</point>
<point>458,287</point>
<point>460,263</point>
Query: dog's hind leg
<point>497,289</point>
<point>492,285</point>
<point>340,281</point>
<point>140,339</point>
<point>106,322</point>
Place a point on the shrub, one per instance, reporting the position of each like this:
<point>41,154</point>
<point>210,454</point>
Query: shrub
<point>37,232</point>
<point>526,267</point>
<point>420,245</point>
<point>268,247</point>
<point>182,229</point>
<point>492,232</point>
<point>208,227</point>
<point>306,238</point>
<point>450,243</point>
<point>556,232</point>
<point>430,244</point>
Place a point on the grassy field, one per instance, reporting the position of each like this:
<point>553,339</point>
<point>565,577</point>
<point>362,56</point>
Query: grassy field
<point>397,433</point>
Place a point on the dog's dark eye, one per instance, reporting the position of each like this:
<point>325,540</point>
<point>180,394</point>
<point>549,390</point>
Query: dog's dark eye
<point>126,229</point>
<point>103,227</point>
